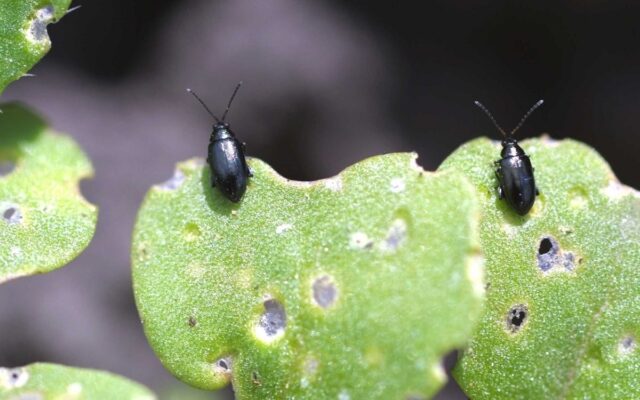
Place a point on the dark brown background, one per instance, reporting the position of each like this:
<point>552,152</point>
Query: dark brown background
<point>326,84</point>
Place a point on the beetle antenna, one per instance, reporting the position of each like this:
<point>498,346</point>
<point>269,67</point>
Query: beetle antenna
<point>486,111</point>
<point>72,9</point>
<point>231,100</point>
<point>203,104</point>
<point>532,109</point>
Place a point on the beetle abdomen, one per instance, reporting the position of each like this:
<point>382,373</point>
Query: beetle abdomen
<point>228,167</point>
<point>517,183</point>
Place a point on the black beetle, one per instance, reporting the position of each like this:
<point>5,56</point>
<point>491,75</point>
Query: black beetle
<point>514,170</point>
<point>229,169</point>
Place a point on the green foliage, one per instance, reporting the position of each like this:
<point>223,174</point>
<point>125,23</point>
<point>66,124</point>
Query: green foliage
<point>23,34</point>
<point>44,220</point>
<point>350,287</point>
<point>43,381</point>
<point>562,319</point>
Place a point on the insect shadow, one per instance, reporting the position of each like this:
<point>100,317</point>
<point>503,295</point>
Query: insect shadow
<point>214,200</point>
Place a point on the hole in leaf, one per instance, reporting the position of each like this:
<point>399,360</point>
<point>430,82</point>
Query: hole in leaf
<point>174,182</point>
<point>223,366</point>
<point>38,28</point>
<point>90,190</point>
<point>14,378</point>
<point>517,317</point>
<point>192,321</point>
<point>324,291</point>
<point>255,378</point>
<point>550,255</point>
<point>360,240</point>
<point>545,246</point>
<point>12,215</point>
<point>626,345</point>
<point>396,235</point>
<point>272,321</point>
<point>6,167</point>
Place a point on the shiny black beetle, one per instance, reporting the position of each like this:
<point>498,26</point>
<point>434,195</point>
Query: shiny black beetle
<point>514,171</point>
<point>229,170</point>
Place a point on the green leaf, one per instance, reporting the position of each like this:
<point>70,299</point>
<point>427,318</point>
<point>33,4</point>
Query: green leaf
<point>563,306</point>
<point>23,34</point>
<point>350,287</point>
<point>42,381</point>
<point>44,220</point>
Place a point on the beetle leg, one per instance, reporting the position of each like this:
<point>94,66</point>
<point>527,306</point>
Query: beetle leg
<point>499,188</point>
<point>213,177</point>
<point>537,191</point>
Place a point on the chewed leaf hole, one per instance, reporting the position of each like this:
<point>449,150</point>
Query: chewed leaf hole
<point>174,182</point>
<point>627,345</point>
<point>12,215</point>
<point>545,246</point>
<point>517,317</point>
<point>13,378</point>
<point>38,28</point>
<point>6,167</point>
<point>272,322</point>
<point>551,257</point>
<point>324,291</point>
<point>255,378</point>
<point>223,365</point>
<point>395,236</point>
<point>360,240</point>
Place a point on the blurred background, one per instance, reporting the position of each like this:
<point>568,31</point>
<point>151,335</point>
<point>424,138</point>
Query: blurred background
<point>326,84</point>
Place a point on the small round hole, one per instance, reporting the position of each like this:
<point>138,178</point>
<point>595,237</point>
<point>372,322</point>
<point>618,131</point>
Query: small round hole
<point>545,246</point>
<point>324,291</point>
<point>255,378</point>
<point>9,213</point>
<point>272,322</point>
<point>15,378</point>
<point>517,317</point>
<point>224,366</point>
<point>12,215</point>
<point>626,346</point>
